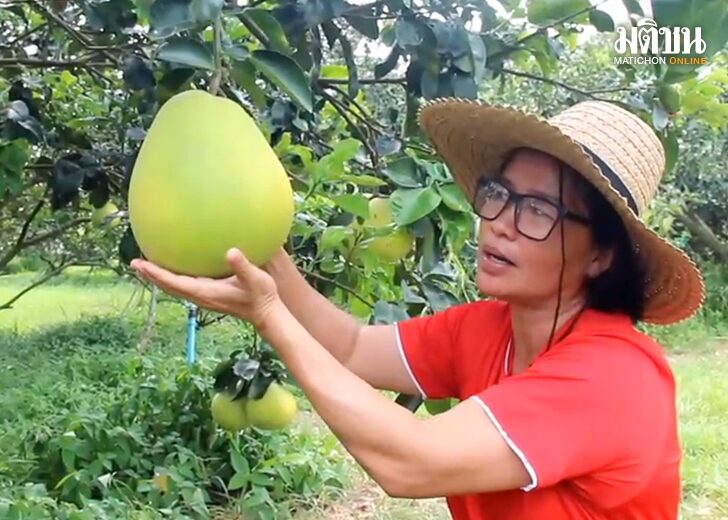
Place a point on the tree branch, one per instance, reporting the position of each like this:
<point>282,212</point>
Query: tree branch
<point>541,30</point>
<point>18,246</point>
<point>254,29</point>
<point>54,271</point>
<point>364,117</point>
<point>324,82</point>
<point>557,83</point>
<point>80,38</point>
<point>27,33</point>
<point>702,232</point>
<point>62,64</point>
<point>217,45</point>
<point>340,286</point>
<point>9,304</point>
<point>343,112</point>
<point>37,239</point>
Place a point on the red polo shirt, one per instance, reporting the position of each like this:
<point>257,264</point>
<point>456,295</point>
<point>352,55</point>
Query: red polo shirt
<point>593,419</point>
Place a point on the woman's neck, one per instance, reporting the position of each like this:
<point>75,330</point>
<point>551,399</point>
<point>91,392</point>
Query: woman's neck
<point>532,328</point>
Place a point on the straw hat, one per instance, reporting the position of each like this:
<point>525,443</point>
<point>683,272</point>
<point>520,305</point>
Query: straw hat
<point>611,147</point>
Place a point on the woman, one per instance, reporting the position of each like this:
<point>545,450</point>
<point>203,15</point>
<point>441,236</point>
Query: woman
<point>566,410</point>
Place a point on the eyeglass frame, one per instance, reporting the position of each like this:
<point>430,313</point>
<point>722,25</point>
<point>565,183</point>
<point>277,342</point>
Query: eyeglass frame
<point>517,199</point>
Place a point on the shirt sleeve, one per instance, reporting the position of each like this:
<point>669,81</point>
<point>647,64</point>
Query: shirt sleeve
<point>427,345</point>
<point>593,408</point>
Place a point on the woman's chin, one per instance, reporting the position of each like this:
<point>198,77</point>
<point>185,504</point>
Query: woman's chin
<point>492,286</point>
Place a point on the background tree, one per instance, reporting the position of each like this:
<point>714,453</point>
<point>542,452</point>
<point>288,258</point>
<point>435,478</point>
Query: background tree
<point>83,81</point>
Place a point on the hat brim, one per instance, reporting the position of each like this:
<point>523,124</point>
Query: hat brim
<point>474,139</point>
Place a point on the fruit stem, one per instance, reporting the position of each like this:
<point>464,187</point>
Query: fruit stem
<point>217,52</point>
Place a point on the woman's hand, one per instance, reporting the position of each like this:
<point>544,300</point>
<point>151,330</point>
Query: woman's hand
<point>249,294</point>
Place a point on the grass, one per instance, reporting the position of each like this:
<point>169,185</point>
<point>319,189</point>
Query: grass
<point>68,297</point>
<point>699,359</point>
<point>703,406</point>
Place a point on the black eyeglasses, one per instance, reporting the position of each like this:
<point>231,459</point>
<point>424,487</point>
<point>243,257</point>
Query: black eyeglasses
<point>536,217</point>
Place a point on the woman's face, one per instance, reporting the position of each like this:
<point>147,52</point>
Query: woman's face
<point>531,278</point>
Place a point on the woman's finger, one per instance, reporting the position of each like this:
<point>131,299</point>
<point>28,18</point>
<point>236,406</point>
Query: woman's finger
<point>177,285</point>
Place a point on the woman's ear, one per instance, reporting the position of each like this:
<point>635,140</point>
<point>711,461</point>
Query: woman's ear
<point>601,261</point>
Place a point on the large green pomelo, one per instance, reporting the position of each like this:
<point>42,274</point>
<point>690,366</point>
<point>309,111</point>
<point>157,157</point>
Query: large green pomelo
<point>206,180</point>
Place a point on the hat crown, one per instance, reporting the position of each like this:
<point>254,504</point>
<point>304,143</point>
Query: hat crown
<point>621,140</point>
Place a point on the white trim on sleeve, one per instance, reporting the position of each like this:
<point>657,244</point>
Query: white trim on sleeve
<point>406,363</point>
<point>511,444</point>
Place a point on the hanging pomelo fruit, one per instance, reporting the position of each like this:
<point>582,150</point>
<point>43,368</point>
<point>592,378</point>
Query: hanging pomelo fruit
<point>206,180</point>
<point>276,409</point>
<point>228,412</point>
<point>394,246</point>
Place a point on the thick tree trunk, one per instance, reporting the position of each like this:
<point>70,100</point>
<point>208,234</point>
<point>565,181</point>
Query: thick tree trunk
<point>702,232</point>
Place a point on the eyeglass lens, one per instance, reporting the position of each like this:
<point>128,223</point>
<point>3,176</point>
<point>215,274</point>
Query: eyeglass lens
<point>535,217</point>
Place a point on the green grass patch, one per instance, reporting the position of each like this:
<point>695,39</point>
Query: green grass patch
<point>703,408</point>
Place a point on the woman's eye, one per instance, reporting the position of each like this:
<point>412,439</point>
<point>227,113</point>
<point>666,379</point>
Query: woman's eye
<point>541,209</point>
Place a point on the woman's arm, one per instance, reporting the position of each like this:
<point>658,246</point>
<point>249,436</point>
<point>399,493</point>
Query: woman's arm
<point>459,451</point>
<point>370,351</point>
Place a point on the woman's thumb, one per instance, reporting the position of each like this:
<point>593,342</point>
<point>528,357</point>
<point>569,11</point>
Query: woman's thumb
<point>238,262</point>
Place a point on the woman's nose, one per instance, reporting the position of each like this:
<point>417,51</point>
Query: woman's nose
<point>505,223</point>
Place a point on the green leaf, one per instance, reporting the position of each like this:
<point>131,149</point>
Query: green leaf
<point>345,150</point>
<point>407,33</point>
<point>364,180</point>
<point>429,84</point>
<point>463,86</point>
<point>167,17</point>
<point>414,204</point>
<point>453,197</point>
<point>334,72</point>
<point>237,52</point>
<point>633,6</point>
<point>128,248</point>
<point>438,298</point>
<point>336,238</point>
<point>137,73</point>
<point>385,67</point>
<point>547,12</point>
<point>387,145</point>
<point>285,73</point>
<point>346,49</point>
<point>386,313</point>
<point>403,172</point>
<point>261,479</point>
<point>238,481</point>
<point>271,27</point>
<point>659,117</point>
<point>204,11</point>
<point>601,21</point>
<point>353,203</point>
<point>186,51</point>
<point>672,149</point>
<point>240,463</point>
<point>243,72</point>
<point>479,53</point>
<point>710,15</point>
<point>669,97</point>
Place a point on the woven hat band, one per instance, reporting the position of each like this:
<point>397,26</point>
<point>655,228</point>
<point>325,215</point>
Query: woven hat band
<point>614,179</point>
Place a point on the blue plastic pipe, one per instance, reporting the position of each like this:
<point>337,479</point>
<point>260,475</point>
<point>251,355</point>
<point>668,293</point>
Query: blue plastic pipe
<point>191,333</point>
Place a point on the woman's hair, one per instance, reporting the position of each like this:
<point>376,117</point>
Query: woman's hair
<point>621,287</point>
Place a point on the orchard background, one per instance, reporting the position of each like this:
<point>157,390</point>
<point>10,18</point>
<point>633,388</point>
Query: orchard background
<point>100,414</point>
